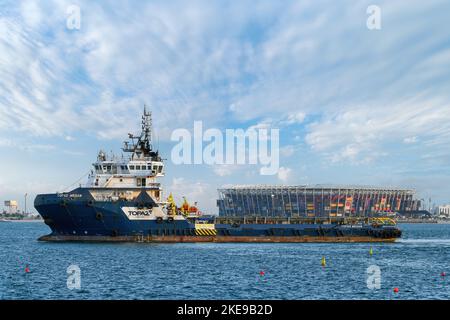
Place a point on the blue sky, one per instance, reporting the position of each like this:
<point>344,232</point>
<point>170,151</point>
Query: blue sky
<point>353,105</point>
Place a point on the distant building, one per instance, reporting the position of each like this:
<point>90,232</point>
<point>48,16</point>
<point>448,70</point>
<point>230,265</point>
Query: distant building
<point>444,210</point>
<point>11,206</point>
<point>315,201</point>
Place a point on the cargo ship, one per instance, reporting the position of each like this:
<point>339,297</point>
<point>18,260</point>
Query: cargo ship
<point>123,201</point>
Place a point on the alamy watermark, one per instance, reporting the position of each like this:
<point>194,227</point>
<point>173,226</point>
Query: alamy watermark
<point>73,277</point>
<point>237,147</point>
<point>373,277</point>
<point>73,21</point>
<point>374,19</point>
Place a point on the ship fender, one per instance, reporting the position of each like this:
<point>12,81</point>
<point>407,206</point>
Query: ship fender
<point>159,220</point>
<point>99,216</point>
<point>170,219</point>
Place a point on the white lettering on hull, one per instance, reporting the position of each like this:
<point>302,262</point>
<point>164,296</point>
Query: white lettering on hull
<point>134,213</point>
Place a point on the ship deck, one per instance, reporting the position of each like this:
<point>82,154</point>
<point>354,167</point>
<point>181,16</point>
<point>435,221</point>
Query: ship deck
<point>302,220</point>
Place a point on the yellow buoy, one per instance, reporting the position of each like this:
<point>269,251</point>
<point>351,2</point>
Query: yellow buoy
<point>324,262</point>
<point>371,251</point>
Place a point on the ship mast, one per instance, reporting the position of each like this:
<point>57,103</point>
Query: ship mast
<point>141,146</point>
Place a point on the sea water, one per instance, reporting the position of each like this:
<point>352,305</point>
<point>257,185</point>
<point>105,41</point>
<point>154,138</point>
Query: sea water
<point>414,264</point>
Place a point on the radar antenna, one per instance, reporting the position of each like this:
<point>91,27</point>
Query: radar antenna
<point>142,145</point>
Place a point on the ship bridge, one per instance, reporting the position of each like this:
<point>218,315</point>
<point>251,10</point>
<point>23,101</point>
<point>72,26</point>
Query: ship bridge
<point>140,169</point>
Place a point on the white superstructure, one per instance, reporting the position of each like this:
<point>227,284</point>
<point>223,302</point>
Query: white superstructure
<point>140,170</point>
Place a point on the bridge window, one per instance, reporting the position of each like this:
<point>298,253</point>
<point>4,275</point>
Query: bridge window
<point>131,167</point>
<point>138,167</point>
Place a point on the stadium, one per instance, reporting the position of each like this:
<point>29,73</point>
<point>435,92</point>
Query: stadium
<point>314,201</point>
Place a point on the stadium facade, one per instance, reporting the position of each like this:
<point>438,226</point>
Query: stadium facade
<point>314,201</point>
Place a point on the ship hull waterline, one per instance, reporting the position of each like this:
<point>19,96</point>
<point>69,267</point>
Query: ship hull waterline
<point>215,239</point>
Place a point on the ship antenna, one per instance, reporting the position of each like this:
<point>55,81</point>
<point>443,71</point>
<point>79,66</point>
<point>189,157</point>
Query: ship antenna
<point>146,136</point>
<point>143,144</point>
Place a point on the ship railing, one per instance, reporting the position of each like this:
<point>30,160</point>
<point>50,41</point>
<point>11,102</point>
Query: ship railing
<point>302,220</point>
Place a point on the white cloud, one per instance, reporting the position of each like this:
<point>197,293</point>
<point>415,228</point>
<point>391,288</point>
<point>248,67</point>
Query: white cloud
<point>287,151</point>
<point>284,174</point>
<point>362,133</point>
<point>195,191</point>
<point>225,169</point>
<point>194,61</point>
<point>25,146</point>
<point>31,13</point>
<point>295,118</point>
<point>409,140</point>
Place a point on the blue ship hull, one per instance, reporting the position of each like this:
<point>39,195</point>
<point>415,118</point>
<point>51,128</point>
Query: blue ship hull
<point>82,218</point>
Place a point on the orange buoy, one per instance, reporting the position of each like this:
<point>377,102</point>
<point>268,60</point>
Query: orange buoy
<point>443,274</point>
<point>261,273</point>
<point>395,290</point>
<point>27,269</point>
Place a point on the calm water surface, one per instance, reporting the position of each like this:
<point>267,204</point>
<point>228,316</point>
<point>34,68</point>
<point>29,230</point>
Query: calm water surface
<point>224,271</point>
